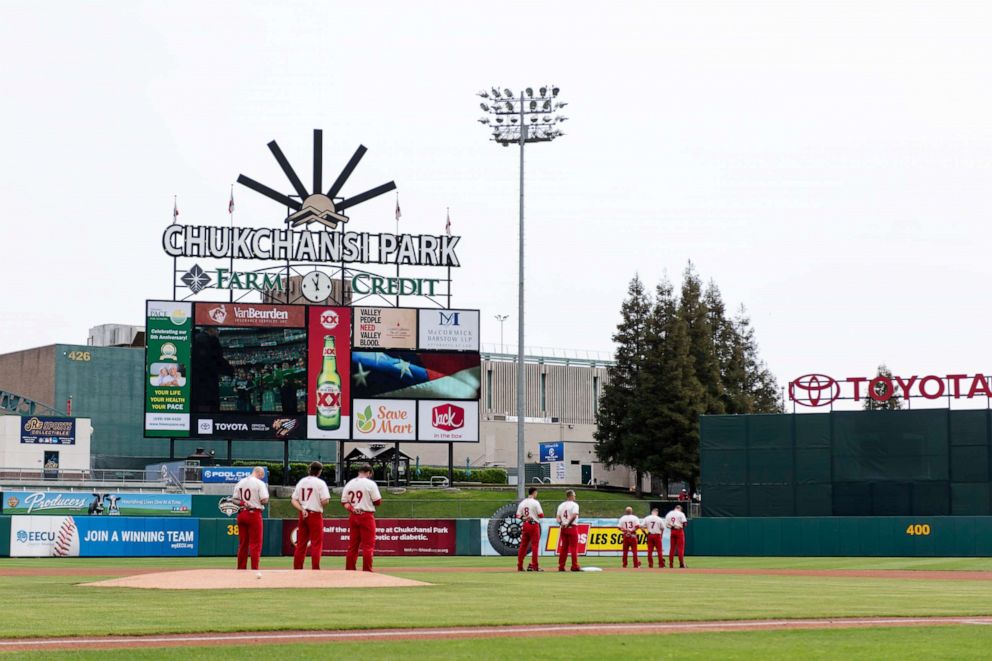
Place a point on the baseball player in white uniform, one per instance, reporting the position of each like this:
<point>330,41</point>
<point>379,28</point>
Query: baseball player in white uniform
<point>253,495</point>
<point>568,519</point>
<point>309,497</point>
<point>654,525</point>
<point>360,497</point>
<point>629,525</point>
<point>676,522</point>
<point>530,513</point>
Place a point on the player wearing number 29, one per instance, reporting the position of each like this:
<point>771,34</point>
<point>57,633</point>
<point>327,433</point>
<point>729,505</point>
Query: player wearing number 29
<point>360,497</point>
<point>529,511</point>
<point>309,497</point>
<point>253,495</point>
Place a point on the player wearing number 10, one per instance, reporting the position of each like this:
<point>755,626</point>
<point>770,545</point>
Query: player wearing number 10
<point>253,495</point>
<point>360,497</point>
<point>309,497</point>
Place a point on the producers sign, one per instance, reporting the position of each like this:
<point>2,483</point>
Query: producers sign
<point>97,503</point>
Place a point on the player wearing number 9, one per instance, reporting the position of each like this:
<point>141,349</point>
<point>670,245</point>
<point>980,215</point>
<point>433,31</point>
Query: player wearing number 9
<point>253,495</point>
<point>360,497</point>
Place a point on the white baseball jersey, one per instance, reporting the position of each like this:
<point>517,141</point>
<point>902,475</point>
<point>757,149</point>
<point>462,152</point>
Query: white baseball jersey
<point>362,493</point>
<point>628,523</point>
<point>251,491</point>
<point>566,510</point>
<point>529,509</point>
<point>310,492</point>
<point>655,524</point>
<point>675,520</point>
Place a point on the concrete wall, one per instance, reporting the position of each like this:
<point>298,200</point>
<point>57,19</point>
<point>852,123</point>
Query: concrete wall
<point>30,456</point>
<point>31,373</point>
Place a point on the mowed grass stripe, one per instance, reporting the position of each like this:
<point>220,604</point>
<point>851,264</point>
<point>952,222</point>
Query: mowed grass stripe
<point>958,642</point>
<point>468,599</point>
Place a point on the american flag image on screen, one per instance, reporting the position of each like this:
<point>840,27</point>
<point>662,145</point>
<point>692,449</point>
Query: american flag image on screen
<point>415,375</point>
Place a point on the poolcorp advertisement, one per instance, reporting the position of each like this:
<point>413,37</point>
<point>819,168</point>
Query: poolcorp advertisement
<point>67,536</point>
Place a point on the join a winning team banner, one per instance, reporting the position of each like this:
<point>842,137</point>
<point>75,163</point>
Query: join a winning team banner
<point>67,536</point>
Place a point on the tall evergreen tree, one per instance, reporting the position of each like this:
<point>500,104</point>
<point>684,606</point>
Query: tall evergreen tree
<point>693,311</point>
<point>616,418</point>
<point>893,403</point>
<point>730,353</point>
<point>759,391</point>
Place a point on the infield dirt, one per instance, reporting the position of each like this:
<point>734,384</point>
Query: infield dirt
<point>226,579</point>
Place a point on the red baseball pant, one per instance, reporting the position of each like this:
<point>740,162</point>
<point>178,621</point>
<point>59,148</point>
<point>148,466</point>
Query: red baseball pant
<point>530,538</point>
<point>569,545</point>
<point>654,544</point>
<point>630,544</point>
<point>362,536</point>
<point>309,531</point>
<point>249,538</point>
<point>676,544</point>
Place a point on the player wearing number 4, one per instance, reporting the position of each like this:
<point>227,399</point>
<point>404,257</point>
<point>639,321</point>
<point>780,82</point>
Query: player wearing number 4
<point>253,495</point>
<point>568,518</point>
<point>360,497</point>
<point>309,497</point>
<point>529,512</point>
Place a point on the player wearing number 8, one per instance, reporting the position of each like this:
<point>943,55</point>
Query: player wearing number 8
<point>253,495</point>
<point>360,497</point>
<point>309,498</point>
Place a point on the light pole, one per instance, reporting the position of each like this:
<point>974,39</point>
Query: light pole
<point>513,120</point>
<point>501,318</point>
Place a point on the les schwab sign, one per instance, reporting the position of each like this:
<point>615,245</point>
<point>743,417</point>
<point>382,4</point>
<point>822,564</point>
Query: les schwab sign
<point>815,390</point>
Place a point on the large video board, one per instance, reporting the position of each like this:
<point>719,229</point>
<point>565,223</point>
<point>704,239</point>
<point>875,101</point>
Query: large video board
<point>279,372</point>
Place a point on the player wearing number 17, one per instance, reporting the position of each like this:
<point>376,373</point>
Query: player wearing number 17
<point>309,497</point>
<point>253,495</point>
<point>360,497</point>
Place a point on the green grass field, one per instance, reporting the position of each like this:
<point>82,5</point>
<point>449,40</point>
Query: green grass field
<point>486,598</point>
<point>474,503</point>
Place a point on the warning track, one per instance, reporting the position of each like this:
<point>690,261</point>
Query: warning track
<point>450,633</point>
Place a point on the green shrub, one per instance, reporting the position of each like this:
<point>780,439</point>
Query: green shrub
<point>484,475</point>
<point>297,470</point>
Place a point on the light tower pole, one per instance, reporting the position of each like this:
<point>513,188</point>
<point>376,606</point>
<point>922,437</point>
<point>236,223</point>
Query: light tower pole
<point>501,318</point>
<point>513,120</point>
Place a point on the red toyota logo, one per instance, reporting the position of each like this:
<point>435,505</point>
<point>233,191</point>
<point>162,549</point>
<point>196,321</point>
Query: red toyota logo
<point>814,390</point>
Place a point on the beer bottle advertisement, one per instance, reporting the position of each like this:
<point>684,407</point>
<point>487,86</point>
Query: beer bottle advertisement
<point>329,372</point>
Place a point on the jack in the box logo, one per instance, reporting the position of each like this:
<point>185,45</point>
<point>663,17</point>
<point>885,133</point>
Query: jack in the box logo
<point>448,417</point>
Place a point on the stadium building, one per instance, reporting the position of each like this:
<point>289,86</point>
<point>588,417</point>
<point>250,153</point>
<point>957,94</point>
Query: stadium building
<point>103,381</point>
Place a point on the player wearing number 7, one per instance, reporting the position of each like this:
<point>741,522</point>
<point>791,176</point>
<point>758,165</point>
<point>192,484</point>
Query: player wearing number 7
<point>309,498</point>
<point>360,497</point>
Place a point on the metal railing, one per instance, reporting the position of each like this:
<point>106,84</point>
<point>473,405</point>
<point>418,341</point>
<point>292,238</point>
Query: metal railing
<point>83,479</point>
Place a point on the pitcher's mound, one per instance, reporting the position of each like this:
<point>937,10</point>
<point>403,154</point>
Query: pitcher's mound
<point>224,579</point>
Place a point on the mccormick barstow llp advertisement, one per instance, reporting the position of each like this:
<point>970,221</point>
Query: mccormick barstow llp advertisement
<point>283,372</point>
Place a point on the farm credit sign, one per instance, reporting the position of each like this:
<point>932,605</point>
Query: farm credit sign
<point>821,390</point>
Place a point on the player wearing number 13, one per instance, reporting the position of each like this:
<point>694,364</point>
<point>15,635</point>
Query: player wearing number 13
<point>253,496</point>
<point>360,497</point>
<point>309,498</point>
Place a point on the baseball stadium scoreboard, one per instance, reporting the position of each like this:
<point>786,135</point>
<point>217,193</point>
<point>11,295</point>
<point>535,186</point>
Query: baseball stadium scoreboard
<point>267,371</point>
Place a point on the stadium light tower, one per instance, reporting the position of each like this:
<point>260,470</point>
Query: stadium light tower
<point>531,117</point>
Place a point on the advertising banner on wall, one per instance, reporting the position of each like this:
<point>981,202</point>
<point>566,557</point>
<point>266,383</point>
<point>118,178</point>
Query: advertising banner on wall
<point>384,419</point>
<point>440,420</point>
<point>45,430</point>
<point>261,426</point>
<point>229,474</point>
<point>385,328</point>
<point>392,536</point>
<point>551,452</point>
<point>396,374</point>
<point>97,503</point>
<point>449,330</point>
<point>169,330</point>
<point>329,373</point>
<point>602,538</point>
<point>67,536</point>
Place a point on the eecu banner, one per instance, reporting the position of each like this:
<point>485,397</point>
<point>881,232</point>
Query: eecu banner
<point>97,503</point>
<point>603,538</point>
<point>392,536</point>
<point>67,536</point>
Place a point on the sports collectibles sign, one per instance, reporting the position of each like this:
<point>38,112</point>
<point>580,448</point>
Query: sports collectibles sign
<point>44,430</point>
